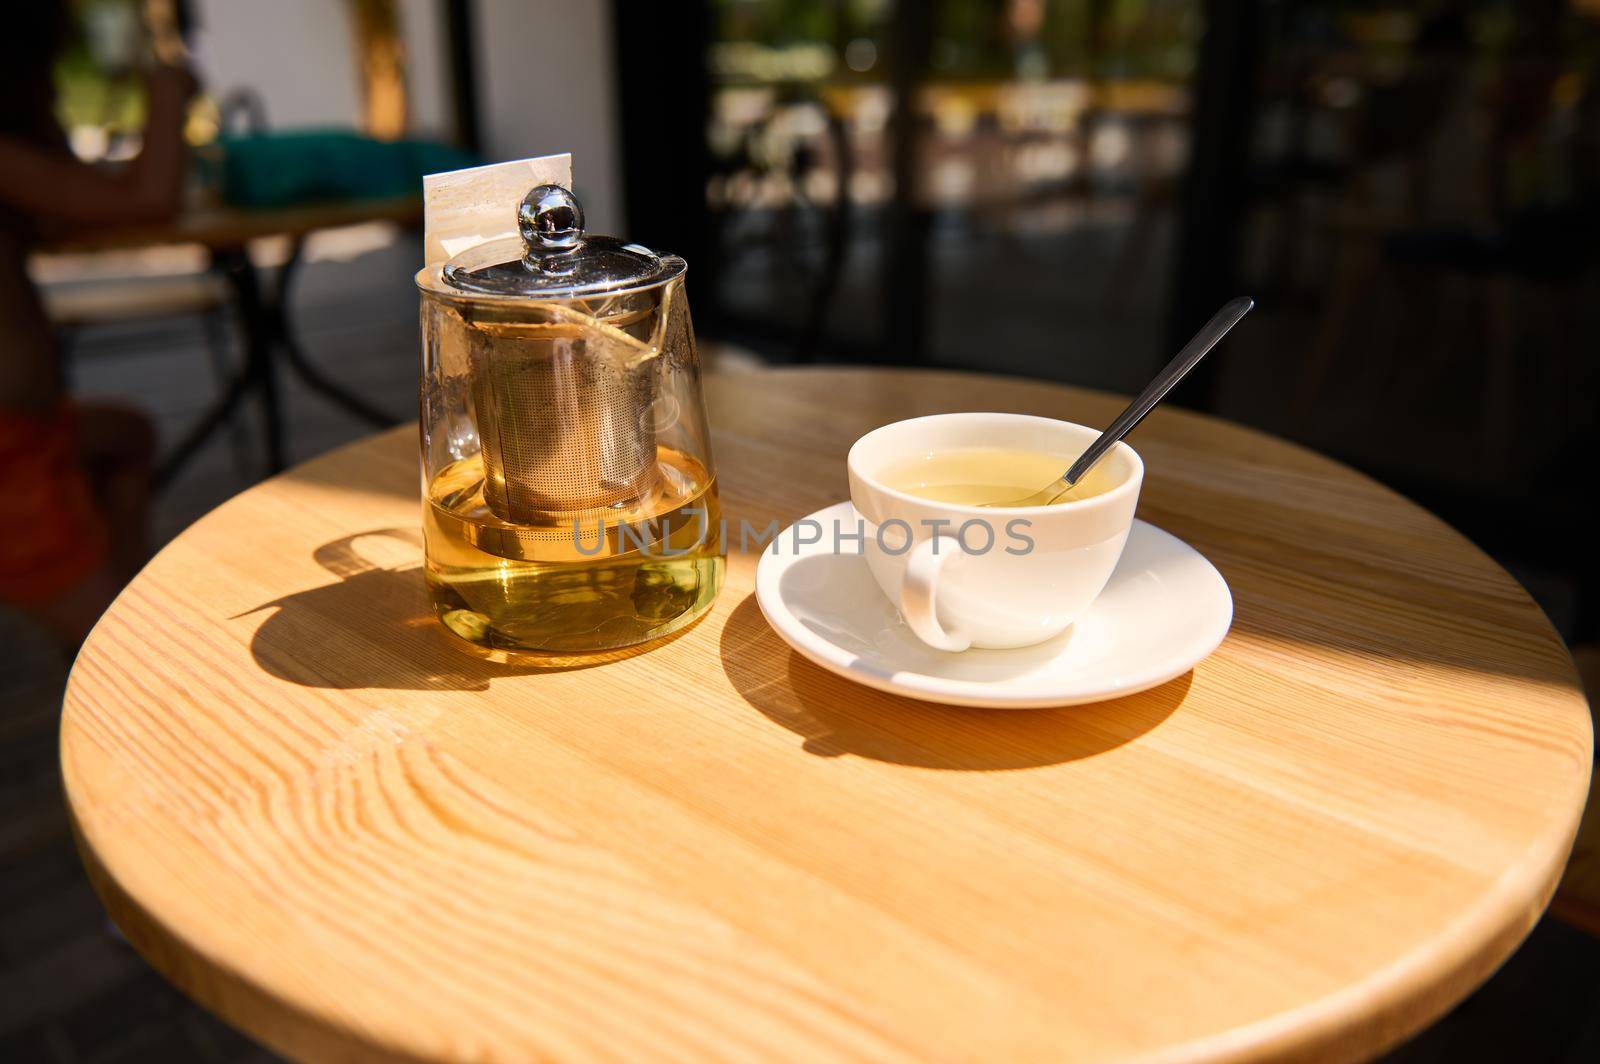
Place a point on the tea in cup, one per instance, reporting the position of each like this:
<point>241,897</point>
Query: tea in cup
<point>965,572</point>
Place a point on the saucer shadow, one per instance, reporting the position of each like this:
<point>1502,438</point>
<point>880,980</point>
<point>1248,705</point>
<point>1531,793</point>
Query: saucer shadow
<point>375,628</point>
<point>835,717</point>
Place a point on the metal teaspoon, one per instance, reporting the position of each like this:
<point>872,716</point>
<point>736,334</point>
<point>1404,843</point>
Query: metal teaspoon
<point>1193,351</point>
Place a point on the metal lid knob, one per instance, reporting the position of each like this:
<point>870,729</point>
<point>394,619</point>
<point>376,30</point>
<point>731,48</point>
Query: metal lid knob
<point>555,260</point>
<point>550,219</point>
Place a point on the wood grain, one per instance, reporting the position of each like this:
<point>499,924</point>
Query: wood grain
<point>318,816</point>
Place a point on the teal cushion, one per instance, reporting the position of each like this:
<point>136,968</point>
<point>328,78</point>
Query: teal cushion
<point>278,169</point>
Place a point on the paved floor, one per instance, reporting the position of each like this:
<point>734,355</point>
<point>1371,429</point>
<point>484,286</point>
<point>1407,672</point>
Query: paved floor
<point>71,992</point>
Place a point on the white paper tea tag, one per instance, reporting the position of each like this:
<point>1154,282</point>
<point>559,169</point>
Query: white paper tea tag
<point>464,208</point>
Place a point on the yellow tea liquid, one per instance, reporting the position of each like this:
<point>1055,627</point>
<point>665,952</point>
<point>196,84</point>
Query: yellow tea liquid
<point>620,577</point>
<point>985,476</point>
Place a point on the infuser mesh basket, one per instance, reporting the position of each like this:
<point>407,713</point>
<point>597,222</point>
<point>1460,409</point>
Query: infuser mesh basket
<point>564,428</point>
<point>566,333</point>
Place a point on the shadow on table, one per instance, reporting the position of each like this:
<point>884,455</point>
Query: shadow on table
<point>374,627</point>
<point>835,716</point>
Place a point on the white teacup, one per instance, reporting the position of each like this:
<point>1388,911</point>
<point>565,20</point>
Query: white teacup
<point>1043,565</point>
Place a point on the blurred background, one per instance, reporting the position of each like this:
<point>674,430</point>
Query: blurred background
<point>1058,189</point>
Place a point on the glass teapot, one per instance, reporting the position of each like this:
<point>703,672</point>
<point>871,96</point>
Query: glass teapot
<point>569,496</point>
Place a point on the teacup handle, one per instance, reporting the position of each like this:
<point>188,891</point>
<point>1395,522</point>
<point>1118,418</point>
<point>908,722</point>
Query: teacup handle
<point>919,590</point>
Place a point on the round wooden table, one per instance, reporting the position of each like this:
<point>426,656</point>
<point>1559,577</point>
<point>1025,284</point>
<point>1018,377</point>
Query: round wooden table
<point>322,819</point>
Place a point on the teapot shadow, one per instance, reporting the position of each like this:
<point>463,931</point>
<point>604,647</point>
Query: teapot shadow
<point>834,716</point>
<point>375,628</point>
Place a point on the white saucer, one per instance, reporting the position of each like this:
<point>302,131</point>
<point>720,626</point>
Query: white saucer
<point>1163,611</point>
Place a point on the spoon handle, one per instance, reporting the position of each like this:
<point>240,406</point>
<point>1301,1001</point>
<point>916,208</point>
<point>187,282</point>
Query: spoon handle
<point>1175,371</point>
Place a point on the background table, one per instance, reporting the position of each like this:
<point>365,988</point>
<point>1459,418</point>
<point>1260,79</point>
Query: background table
<point>222,226</point>
<point>318,816</point>
<point>226,233</point>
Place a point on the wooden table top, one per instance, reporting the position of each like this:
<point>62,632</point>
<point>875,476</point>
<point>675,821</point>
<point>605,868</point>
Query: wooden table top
<point>222,227</point>
<point>324,821</point>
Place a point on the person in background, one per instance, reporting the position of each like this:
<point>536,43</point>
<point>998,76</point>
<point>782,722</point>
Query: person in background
<point>74,477</point>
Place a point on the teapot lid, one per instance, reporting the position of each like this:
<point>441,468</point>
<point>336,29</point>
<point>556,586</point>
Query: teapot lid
<point>554,259</point>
